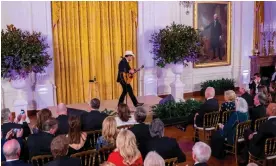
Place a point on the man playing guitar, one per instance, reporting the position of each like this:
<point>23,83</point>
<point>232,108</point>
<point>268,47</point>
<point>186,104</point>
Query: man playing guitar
<point>125,68</point>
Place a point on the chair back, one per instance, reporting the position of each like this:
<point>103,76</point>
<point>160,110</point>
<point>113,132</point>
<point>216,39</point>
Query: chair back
<point>270,147</point>
<point>125,126</point>
<point>241,127</point>
<point>171,161</point>
<point>258,123</point>
<point>41,159</point>
<point>92,137</point>
<point>87,158</point>
<point>211,119</point>
<point>225,116</point>
<point>103,153</point>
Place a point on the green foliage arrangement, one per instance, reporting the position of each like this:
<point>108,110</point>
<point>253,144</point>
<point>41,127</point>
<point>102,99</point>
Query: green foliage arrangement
<point>22,52</point>
<point>176,109</point>
<point>176,43</point>
<point>220,85</point>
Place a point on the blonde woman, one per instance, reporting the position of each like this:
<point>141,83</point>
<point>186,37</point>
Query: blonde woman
<point>126,152</point>
<point>109,133</point>
<point>229,104</point>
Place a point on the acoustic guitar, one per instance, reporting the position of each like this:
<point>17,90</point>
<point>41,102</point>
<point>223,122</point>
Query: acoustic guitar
<point>129,77</point>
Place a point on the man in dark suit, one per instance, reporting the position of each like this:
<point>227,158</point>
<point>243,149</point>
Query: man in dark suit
<point>216,32</point>
<point>259,110</point>
<point>141,130</point>
<point>125,68</point>
<point>59,149</point>
<point>166,147</point>
<point>255,84</point>
<point>39,143</point>
<point>201,153</point>
<point>93,120</point>
<point>246,96</point>
<point>210,105</point>
<point>11,151</point>
<point>63,126</point>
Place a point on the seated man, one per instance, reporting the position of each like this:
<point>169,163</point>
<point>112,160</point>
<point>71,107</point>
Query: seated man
<point>11,151</point>
<point>210,105</point>
<point>63,126</point>
<point>201,153</point>
<point>39,143</point>
<point>166,147</point>
<point>255,83</point>
<point>59,149</point>
<point>154,159</point>
<point>259,110</point>
<point>93,120</point>
<point>246,96</point>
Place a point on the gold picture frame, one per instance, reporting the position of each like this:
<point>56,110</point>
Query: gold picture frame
<point>225,58</point>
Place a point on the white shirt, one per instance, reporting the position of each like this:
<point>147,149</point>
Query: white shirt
<point>273,76</point>
<point>271,117</point>
<point>210,98</point>
<point>129,122</point>
<point>12,160</point>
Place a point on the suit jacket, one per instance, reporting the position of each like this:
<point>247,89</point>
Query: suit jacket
<point>92,120</point>
<point>39,143</point>
<point>16,163</point>
<point>216,32</point>
<point>256,113</point>
<point>166,147</point>
<point>6,127</point>
<point>63,126</point>
<point>266,130</point>
<point>201,164</point>
<point>249,99</point>
<point>65,160</point>
<point>123,67</point>
<point>210,105</point>
<point>142,134</point>
<point>253,86</point>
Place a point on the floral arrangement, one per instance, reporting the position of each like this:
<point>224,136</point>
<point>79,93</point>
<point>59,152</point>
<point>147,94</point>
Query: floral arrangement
<point>22,52</point>
<point>176,43</point>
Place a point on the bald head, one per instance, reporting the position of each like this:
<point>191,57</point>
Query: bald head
<point>61,109</point>
<point>209,92</point>
<point>271,109</point>
<point>11,149</point>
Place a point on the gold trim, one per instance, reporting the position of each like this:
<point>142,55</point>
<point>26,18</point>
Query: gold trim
<point>229,34</point>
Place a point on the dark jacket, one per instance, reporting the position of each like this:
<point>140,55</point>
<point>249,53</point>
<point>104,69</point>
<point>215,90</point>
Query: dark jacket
<point>122,67</point>
<point>39,144</point>
<point>201,164</point>
<point>63,126</point>
<point>62,161</point>
<point>16,163</point>
<point>6,127</point>
<point>166,147</point>
<point>253,86</point>
<point>92,120</point>
<point>266,130</point>
<point>249,99</point>
<point>210,105</point>
<point>256,113</point>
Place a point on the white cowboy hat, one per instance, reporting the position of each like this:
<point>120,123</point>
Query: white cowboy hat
<point>129,53</point>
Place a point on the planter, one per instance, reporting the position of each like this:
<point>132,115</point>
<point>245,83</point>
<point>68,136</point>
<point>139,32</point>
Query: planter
<point>175,121</point>
<point>18,83</point>
<point>177,87</point>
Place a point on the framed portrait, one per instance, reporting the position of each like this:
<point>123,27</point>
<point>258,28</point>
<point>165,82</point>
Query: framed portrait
<point>213,20</point>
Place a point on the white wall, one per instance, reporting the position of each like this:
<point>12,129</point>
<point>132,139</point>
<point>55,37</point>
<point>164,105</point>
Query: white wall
<point>30,15</point>
<point>156,15</point>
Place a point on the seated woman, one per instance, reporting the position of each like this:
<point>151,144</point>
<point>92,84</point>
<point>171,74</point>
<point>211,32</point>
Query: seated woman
<point>126,152</point>
<point>109,133</point>
<point>229,104</point>
<point>124,117</point>
<point>76,137</point>
<point>227,131</point>
<point>42,116</point>
<point>166,147</point>
<point>264,90</point>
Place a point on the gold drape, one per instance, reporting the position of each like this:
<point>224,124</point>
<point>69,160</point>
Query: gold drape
<point>89,40</point>
<point>258,20</point>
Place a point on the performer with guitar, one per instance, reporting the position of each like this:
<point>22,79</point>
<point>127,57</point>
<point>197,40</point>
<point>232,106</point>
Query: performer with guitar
<point>125,75</point>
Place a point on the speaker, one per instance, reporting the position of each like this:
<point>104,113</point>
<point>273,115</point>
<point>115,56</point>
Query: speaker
<point>167,99</point>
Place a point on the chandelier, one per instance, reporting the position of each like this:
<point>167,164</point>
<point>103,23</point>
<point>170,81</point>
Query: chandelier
<point>187,5</point>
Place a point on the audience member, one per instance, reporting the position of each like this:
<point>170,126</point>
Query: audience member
<point>259,110</point>
<point>42,116</point>
<point>255,83</point>
<point>39,143</point>
<point>246,95</point>
<point>106,163</point>
<point>124,117</point>
<point>63,126</point>
<point>229,104</point>
<point>93,120</point>
<point>252,164</point>
<point>210,105</point>
<point>126,153</point>
<point>11,151</point>
<point>201,153</point>
<point>263,89</point>
<point>76,137</point>
<point>141,130</point>
<point>154,159</point>
<point>59,149</point>
<point>272,91</point>
<point>166,147</point>
<point>109,133</point>
<point>228,130</point>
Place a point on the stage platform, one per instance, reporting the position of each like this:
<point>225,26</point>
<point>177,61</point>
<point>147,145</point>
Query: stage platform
<point>148,101</point>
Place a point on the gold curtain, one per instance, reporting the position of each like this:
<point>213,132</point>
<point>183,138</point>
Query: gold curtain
<point>89,40</point>
<point>258,20</point>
